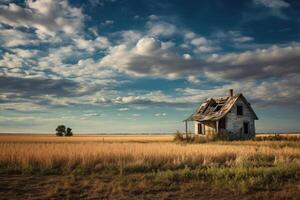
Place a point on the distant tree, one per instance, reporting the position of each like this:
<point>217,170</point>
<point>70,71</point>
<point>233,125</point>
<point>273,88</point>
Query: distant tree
<point>60,130</point>
<point>69,132</point>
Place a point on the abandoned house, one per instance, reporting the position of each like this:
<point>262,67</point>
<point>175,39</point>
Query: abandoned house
<point>231,116</point>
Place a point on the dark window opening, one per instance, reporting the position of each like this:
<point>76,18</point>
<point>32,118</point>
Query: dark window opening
<point>200,129</point>
<point>239,110</point>
<point>218,108</point>
<point>246,127</point>
<point>214,104</point>
<point>222,123</point>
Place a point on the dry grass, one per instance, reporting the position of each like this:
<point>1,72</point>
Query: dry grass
<point>93,153</point>
<point>245,165</point>
<point>84,138</point>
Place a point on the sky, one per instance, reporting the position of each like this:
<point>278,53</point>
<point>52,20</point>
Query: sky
<point>142,66</point>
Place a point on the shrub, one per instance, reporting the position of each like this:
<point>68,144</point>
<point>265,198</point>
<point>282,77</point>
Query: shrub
<point>69,132</point>
<point>199,139</point>
<point>178,137</point>
<point>60,130</point>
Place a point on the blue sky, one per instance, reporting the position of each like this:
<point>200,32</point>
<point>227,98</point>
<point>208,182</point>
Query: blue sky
<point>120,66</point>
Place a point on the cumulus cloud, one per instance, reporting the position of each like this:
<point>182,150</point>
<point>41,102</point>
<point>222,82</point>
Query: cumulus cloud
<point>71,72</point>
<point>92,45</point>
<point>258,64</point>
<point>147,46</point>
<point>47,16</point>
<point>198,43</point>
<point>148,57</point>
<point>151,57</point>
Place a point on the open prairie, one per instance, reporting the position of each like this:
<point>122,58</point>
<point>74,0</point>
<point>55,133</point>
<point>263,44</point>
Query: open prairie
<point>147,167</point>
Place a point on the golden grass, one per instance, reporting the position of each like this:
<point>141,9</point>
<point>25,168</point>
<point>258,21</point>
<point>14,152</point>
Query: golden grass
<point>92,154</point>
<point>152,161</point>
<point>85,138</point>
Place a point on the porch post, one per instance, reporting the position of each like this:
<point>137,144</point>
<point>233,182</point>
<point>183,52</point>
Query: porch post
<point>217,126</point>
<point>186,129</point>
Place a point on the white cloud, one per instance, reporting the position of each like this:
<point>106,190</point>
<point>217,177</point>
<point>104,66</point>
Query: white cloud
<point>107,23</point>
<point>25,53</point>
<point>99,42</point>
<point>264,63</point>
<point>193,79</point>
<point>91,114</point>
<point>48,17</point>
<point>18,62</point>
<point>187,56</point>
<point>265,93</point>
<point>123,109</point>
<point>275,9</point>
<point>160,114</point>
<point>147,46</point>
<point>14,38</point>
<point>160,28</point>
<point>151,57</point>
<point>198,43</point>
<point>232,37</point>
<point>154,17</point>
<point>272,3</point>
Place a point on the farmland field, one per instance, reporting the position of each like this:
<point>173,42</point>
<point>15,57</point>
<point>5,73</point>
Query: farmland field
<point>147,167</point>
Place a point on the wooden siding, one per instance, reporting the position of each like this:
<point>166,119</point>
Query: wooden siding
<point>234,122</point>
<point>208,128</point>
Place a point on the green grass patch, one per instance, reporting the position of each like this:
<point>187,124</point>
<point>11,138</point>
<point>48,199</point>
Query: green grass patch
<point>240,178</point>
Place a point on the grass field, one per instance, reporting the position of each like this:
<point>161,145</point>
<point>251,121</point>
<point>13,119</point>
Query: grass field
<point>151,166</point>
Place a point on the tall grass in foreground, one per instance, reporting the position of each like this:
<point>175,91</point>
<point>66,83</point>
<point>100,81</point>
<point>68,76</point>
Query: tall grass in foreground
<point>136,157</point>
<point>241,165</point>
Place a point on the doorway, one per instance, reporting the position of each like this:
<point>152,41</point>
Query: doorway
<point>222,123</point>
<point>246,127</point>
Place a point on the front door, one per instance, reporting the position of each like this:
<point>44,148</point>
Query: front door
<point>246,127</point>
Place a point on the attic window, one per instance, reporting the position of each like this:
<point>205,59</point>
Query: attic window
<point>218,108</point>
<point>239,110</point>
<point>214,104</point>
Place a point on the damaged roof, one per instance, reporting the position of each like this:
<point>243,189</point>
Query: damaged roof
<point>214,109</point>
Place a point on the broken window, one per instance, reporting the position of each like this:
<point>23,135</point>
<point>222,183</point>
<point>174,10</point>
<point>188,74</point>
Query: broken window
<point>218,108</point>
<point>214,104</point>
<point>239,110</point>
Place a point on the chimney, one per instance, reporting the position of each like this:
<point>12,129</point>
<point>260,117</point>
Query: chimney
<point>231,92</point>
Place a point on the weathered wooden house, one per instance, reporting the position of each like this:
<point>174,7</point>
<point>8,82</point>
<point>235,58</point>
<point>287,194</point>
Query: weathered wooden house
<point>231,116</point>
